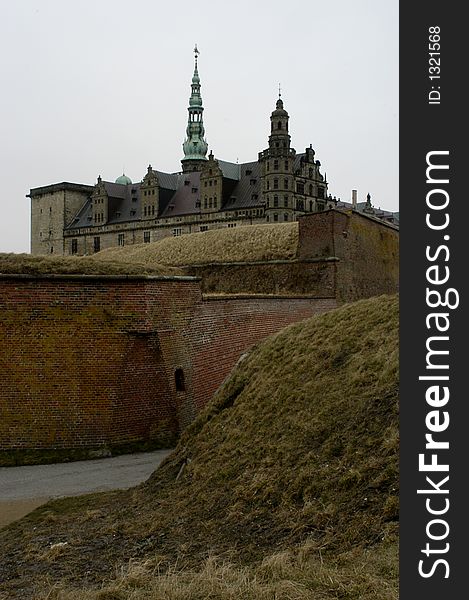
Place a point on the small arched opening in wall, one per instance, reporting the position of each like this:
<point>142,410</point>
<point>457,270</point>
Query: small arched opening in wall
<point>179,380</point>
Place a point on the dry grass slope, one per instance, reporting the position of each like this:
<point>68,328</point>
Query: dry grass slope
<point>27,264</point>
<point>289,478</point>
<point>238,244</point>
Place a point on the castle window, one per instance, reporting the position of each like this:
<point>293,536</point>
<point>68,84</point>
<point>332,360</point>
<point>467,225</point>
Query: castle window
<point>285,217</point>
<point>211,182</point>
<point>145,211</point>
<point>279,125</point>
<point>179,380</point>
<point>286,165</point>
<point>311,173</point>
<point>285,201</point>
<point>268,165</point>
<point>204,228</point>
<point>321,192</point>
<point>74,246</point>
<point>267,218</point>
<point>132,213</point>
<point>210,171</point>
<point>186,182</point>
<point>275,165</point>
<point>97,244</point>
<point>253,182</point>
<point>210,203</point>
<point>277,144</point>
<point>215,202</point>
<point>146,237</point>
<point>177,232</point>
<point>205,183</point>
<point>300,187</point>
<point>231,225</point>
<point>120,239</point>
<point>310,190</point>
<point>153,210</point>
<point>311,205</point>
<point>194,190</point>
<point>275,217</point>
<point>275,184</point>
<point>248,172</point>
<point>275,201</point>
<point>285,183</point>
<point>145,193</point>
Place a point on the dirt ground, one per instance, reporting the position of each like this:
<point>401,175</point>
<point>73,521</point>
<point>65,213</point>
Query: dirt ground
<point>13,510</point>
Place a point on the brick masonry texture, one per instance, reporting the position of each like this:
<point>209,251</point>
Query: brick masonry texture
<point>90,362</point>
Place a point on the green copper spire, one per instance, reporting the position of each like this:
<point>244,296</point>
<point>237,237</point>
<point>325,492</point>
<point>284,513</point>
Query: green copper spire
<point>195,147</point>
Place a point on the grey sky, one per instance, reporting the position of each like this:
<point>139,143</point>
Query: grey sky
<point>92,87</point>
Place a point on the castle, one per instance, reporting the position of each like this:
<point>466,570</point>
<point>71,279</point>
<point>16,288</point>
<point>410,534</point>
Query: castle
<point>99,363</point>
<point>280,186</point>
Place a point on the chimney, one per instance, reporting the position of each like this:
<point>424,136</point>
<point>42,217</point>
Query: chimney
<point>354,199</point>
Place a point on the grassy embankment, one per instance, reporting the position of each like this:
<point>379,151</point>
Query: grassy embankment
<point>237,244</point>
<point>285,487</point>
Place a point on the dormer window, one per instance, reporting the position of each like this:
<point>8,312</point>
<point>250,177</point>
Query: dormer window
<point>248,172</point>
<point>253,181</point>
<point>187,182</point>
<point>194,190</point>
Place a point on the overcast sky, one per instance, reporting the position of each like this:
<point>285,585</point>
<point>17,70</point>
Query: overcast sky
<point>94,87</point>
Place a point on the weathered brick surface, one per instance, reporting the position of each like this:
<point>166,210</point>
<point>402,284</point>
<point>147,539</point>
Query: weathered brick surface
<point>88,362</point>
<point>275,277</point>
<point>367,251</point>
<point>224,329</point>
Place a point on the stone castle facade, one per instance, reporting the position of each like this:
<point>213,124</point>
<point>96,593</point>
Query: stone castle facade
<point>280,186</point>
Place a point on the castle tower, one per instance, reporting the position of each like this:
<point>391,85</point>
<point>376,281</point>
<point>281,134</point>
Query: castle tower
<point>277,164</point>
<point>195,147</point>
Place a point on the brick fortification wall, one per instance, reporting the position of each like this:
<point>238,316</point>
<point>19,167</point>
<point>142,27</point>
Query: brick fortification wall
<point>89,362</point>
<point>346,255</point>
<point>287,277</point>
<point>366,252</point>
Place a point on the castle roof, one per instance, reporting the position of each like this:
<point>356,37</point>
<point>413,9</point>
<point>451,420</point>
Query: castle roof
<point>180,194</point>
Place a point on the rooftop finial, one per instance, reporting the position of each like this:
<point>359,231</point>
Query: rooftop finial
<point>196,54</point>
<point>279,91</point>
